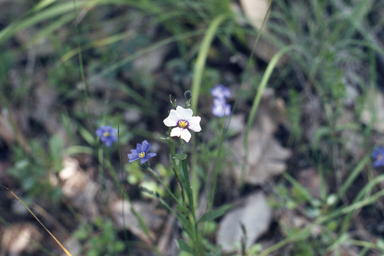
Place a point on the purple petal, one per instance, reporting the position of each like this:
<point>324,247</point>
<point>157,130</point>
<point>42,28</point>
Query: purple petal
<point>99,131</point>
<point>133,157</point>
<point>220,91</point>
<point>138,147</point>
<point>149,155</point>
<point>145,146</point>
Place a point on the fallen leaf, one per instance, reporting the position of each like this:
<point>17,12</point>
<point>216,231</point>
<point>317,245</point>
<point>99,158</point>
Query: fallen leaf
<point>265,158</point>
<point>7,131</point>
<point>353,137</point>
<point>289,220</point>
<point>20,238</point>
<point>373,110</point>
<point>79,188</point>
<point>152,60</point>
<point>310,179</point>
<point>255,11</point>
<point>254,214</point>
<point>125,218</point>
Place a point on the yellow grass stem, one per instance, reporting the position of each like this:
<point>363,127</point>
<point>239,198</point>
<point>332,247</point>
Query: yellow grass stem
<point>57,241</point>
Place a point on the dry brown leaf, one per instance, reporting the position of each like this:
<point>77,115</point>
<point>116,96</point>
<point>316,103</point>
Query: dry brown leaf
<point>166,242</point>
<point>7,131</point>
<point>153,218</point>
<point>254,214</point>
<point>354,139</point>
<point>310,179</point>
<point>290,220</point>
<point>345,250</point>
<point>255,11</point>
<point>44,109</point>
<point>265,157</point>
<point>72,245</point>
<point>312,110</point>
<point>373,110</point>
<point>18,239</point>
<point>79,187</point>
<point>265,51</point>
<point>151,61</point>
<point>270,113</point>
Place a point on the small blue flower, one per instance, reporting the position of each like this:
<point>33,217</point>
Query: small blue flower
<point>221,108</point>
<point>107,134</point>
<point>378,155</point>
<point>141,152</point>
<point>220,92</point>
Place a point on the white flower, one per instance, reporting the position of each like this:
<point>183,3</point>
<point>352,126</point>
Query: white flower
<point>183,120</point>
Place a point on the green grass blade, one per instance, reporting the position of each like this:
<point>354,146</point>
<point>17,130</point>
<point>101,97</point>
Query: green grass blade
<point>263,84</point>
<point>202,57</point>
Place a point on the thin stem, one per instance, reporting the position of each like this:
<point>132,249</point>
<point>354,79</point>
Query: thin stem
<point>216,170</point>
<point>122,178</point>
<point>162,183</point>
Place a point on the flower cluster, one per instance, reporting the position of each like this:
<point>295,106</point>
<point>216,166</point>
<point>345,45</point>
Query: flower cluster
<point>220,107</point>
<point>107,134</point>
<point>378,155</point>
<point>182,121</point>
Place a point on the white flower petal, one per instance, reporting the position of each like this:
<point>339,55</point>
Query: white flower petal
<point>194,123</point>
<point>176,132</point>
<point>185,135</point>
<point>172,119</point>
<point>184,113</point>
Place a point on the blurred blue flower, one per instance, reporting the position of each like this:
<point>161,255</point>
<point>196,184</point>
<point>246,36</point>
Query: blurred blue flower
<point>220,92</point>
<point>378,155</point>
<point>221,108</point>
<point>141,152</point>
<point>107,134</point>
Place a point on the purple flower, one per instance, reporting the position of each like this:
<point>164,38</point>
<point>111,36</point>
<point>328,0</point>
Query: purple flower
<point>378,155</point>
<point>221,108</point>
<point>141,152</point>
<point>107,134</point>
<point>220,92</point>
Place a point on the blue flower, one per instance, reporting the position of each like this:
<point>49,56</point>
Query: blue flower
<point>141,152</point>
<point>378,155</point>
<point>107,134</point>
<point>221,108</point>
<point>220,92</point>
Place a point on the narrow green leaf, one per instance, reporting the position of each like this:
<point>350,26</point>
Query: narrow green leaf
<point>184,246</point>
<point>87,136</point>
<point>182,209</point>
<point>180,156</point>
<point>211,215</point>
<point>186,224</point>
<point>202,57</point>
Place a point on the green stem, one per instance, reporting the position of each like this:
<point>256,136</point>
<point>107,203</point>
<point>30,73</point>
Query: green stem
<point>162,183</point>
<point>175,167</point>
<point>141,221</point>
<point>216,170</point>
